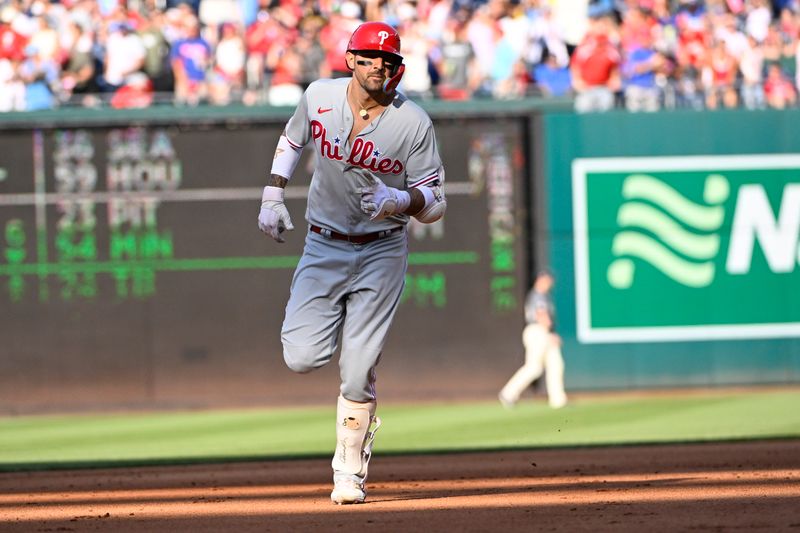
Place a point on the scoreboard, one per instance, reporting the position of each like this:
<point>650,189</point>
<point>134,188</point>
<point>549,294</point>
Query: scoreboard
<point>132,271</point>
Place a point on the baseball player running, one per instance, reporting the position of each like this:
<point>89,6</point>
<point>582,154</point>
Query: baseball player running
<point>542,348</point>
<point>377,164</point>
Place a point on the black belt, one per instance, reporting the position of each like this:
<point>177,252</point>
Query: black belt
<point>364,238</point>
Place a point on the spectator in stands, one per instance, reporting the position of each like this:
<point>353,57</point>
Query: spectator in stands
<point>639,70</point>
<point>438,16</point>
<point>228,74</point>
<point>642,63</point>
<point>751,68</point>
<point>78,70</point>
<point>691,47</point>
<point>688,87</point>
<point>694,36</point>
<point>637,29</point>
<point>124,55</point>
<point>778,89</point>
<point>665,31</point>
<point>789,30</point>
<point>156,61</point>
<point>285,63</point>
<point>260,37</point>
<point>758,18</point>
<point>458,73</point>
<point>310,49</point>
<point>550,77</point>
<point>595,67</point>
<point>335,36</point>
<point>543,33</point>
<point>509,73</point>
<point>12,43</point>
<point>136,92</point>
<point>417,82</point>
<point>12,89</point>
<point>728,31</point>
<point>191,58</point>
<point>40,76</point>
<point>383,10</point>
<point>772,46</point>
<point>719,78</point>
<point>483,33</point>
<point>45,39</point>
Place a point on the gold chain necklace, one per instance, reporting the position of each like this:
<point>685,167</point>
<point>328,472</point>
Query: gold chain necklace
<point>364,111</point>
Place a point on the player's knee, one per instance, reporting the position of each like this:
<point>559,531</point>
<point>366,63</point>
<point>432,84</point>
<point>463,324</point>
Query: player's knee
<point>302,359</point>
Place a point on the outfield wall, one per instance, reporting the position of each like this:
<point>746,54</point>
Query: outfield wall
<point>132,273</point>
<point>675,240</point>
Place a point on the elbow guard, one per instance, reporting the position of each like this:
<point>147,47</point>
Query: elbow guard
<point>287,155</point>
<point>435,204</point>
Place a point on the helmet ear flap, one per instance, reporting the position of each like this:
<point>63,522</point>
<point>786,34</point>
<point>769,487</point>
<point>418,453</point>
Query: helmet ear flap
<point>391,84</point>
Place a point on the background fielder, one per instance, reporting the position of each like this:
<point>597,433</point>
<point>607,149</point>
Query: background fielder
<point>542,348</point>
<point>377,163</point>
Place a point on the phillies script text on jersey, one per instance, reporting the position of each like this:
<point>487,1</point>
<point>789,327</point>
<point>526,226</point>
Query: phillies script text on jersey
<point>362,154</point>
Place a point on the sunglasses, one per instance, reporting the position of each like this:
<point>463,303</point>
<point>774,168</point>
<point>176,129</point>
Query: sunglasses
<point>388,64</point>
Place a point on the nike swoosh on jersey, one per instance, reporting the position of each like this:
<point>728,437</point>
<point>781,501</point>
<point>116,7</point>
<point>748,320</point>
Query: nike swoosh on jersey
<point>321,110</point>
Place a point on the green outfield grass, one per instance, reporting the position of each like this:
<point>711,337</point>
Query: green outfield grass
<point>40,442</point>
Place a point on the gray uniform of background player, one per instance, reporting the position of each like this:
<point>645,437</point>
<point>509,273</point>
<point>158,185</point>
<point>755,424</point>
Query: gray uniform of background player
<point>542,348</point>
<point>343,291</point>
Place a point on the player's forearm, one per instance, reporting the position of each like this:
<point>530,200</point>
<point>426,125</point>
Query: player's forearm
<point>277,181</point>
<point>417,202</point>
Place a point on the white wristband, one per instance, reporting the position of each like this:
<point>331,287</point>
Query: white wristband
<point>403,201</point>
<point>287,155</point>
<point>428,194</point>
<point>274,194</point>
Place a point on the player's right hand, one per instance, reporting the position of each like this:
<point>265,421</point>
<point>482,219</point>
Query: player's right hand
<point>379,201</point>
<point>274,219</point>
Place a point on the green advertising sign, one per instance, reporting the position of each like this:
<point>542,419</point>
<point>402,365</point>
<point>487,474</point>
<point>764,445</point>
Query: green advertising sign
<point>687,248</point>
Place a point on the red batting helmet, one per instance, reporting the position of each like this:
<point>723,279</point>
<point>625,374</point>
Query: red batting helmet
<point>375,36</point>
<point>380,37</point>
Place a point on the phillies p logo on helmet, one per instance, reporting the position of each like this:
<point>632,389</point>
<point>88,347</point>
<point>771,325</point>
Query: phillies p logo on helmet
<point>375,36</point>
<point>380,37</point>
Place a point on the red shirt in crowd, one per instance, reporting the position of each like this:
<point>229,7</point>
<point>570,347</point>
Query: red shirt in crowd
<point>12,44</point>
<point>595,60</point>
<point>334,38</point>
<point>262,34</point>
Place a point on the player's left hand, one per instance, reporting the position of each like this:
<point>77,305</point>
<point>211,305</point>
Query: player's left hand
<point>380,201</point>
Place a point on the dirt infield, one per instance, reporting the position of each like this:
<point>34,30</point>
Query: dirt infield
<point>718,487</point>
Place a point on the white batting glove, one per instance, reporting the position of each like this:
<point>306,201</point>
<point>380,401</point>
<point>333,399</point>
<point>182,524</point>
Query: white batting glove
<point>380,201</point>
<point>274,218</point>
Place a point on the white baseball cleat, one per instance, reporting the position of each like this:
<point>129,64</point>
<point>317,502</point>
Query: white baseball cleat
<point>505,402</point>
<point>348,488</point>
<point>558,402</point>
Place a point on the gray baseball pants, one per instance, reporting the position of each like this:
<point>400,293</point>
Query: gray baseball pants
<point>344,293</point>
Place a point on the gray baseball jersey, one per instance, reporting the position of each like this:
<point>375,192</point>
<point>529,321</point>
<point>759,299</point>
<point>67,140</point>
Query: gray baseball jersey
<point>539,301</point>
<point>398,146</point>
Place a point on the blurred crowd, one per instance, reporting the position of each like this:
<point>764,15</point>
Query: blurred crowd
<point>641,55</point>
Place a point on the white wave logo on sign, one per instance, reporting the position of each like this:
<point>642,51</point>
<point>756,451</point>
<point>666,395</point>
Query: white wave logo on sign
<point>664,216</point>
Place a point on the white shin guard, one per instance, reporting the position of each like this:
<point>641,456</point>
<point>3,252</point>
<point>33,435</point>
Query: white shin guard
<point>354,436</point>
